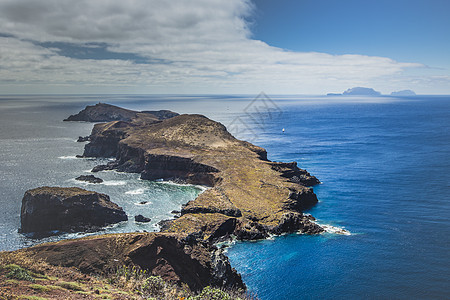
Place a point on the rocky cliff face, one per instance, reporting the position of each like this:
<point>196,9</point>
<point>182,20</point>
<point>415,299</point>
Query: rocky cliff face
<point>294,173</point>
<point>48,209</point>
<point>105,139</point>
<point>167,255</point>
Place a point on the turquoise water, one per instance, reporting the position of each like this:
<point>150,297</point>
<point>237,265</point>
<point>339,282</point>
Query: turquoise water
<point>384,164</point>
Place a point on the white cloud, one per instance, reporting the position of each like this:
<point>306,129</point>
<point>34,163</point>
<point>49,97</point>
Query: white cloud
<point>204,46</point>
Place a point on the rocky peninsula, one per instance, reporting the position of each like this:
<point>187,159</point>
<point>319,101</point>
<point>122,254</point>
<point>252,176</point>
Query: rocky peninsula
<point>248,197</point>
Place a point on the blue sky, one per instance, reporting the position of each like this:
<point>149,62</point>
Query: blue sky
<point>224,46</point>
<point>404,30</point>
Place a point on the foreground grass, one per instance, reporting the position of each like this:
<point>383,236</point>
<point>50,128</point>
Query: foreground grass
<point>24,278</point>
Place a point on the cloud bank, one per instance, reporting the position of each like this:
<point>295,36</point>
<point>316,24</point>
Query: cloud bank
<point>160,46</point>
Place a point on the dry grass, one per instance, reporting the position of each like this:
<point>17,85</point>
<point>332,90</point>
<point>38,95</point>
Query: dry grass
<point>52,282</point>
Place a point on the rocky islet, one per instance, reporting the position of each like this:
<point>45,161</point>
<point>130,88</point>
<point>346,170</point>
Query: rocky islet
<point>49,209</point>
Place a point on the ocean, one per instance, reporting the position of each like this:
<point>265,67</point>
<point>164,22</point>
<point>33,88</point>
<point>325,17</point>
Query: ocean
<point>384,164</point>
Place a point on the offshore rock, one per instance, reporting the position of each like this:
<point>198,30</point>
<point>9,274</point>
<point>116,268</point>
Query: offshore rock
<point>48,209</point>
<point>141,219</point>
<point>89,178</point>
<point>82,139</point>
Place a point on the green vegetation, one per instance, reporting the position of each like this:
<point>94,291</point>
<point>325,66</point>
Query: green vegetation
<point>40,288</point>
<point>19,273</point>
<point>44,288</point>
<point>139,281</point>
<point>209,293</point>
<point>39,276</point>
<point>32,298</point>
<point>154,287</point>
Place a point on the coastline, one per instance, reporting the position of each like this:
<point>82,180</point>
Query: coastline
<point>202,220</point>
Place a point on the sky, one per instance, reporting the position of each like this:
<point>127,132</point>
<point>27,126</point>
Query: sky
<point>223,46</point>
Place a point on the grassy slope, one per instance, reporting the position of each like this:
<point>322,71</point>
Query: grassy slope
<point>22,277</point>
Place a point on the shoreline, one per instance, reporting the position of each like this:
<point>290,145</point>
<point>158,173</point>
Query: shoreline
<point>195,150</point>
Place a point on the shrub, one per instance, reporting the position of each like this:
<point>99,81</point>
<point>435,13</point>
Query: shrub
<point>154,285</point>
<point>209,293</point>
<point>19,273</point>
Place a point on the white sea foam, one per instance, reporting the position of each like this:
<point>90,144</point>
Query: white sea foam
<point>201,187</point>
<point>334,229</point>
<point>136,192</point>
<point>114,182</point>
<point>226,244</point>
<point>67,157</point>
<point>74,181</point>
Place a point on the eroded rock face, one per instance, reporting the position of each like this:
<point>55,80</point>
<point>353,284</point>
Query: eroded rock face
<point>171,167</point>
<point>294,173</point>
<point>300,199</point>
<point>47,209</point>
<point>293,221</point>
<point>167,255</point>
<point>105,139</point>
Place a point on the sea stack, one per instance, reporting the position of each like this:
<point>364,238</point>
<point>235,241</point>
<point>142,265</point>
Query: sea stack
<point>48,209</point>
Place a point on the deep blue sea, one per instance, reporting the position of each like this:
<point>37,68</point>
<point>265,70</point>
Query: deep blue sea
<point>384,164</point>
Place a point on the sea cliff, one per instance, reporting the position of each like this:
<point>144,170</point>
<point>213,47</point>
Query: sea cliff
<point>248,197</point>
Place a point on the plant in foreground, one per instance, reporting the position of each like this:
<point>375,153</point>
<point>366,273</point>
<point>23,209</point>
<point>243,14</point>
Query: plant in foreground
<point>19,273</point>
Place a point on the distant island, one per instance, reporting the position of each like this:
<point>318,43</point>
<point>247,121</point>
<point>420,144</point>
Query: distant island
<point>403,93</point>
<point>357,91</point>
<point>363,91</point>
